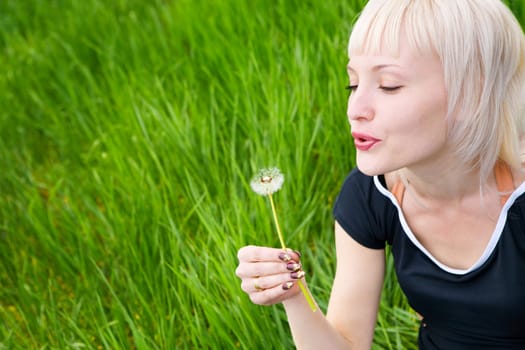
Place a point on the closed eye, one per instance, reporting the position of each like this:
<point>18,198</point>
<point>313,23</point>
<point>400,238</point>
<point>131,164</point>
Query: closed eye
<point>390,88</point>
<point>351,88</point>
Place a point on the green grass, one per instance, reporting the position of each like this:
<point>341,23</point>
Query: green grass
<point>128,133</point>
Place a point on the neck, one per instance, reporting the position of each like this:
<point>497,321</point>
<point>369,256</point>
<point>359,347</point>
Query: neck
<point>443,183</point>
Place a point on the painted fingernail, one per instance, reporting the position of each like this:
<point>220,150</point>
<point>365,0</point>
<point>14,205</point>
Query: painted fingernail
<point>287,285</point>
<point>293,266</point>
<point>298,253</point>
<point>297,274</point>
<point>285,257</point>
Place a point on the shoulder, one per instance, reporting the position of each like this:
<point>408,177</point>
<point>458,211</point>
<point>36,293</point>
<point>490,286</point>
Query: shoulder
<point>362,210</point>
<point>359,187</point>
<point>356,176</point>
<point>355,192</point>
<point>356,182</point>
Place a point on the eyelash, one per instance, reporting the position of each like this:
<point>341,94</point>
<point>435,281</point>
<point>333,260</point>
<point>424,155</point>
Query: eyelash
<point>390,88</point>
<point>387,89</point>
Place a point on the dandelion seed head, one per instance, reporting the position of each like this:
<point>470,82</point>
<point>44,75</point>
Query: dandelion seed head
<point>267,181</point>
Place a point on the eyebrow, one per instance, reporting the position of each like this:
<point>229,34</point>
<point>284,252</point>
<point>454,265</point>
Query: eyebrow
<point>377,67</point>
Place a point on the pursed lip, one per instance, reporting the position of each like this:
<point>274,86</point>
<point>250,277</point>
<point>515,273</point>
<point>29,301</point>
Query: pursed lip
<point>364,142</point>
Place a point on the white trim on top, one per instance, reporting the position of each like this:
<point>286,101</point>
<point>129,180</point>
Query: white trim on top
<point>496,234</point>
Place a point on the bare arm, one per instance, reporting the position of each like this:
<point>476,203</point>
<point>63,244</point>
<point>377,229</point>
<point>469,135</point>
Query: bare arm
<point>354,300</point>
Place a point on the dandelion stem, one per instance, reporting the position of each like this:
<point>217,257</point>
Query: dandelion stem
<point>276,222</point>
<point>306,294</point>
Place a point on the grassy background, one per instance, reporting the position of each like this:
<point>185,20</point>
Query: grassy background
<point>128,133</point>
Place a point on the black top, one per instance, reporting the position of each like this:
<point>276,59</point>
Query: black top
<point>482,307</point>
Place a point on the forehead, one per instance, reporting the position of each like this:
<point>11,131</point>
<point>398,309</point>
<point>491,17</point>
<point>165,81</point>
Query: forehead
<point>389,27</point>
<point>408,64</point>
<point>397,51</point>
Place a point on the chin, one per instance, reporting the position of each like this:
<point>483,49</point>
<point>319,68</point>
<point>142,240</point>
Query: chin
<point>372,167</point>
<point>369,171</point>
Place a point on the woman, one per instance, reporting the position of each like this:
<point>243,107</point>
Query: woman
<point>435,112</point>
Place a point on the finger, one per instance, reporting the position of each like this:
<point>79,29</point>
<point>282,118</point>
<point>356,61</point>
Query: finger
<point>266,268</point>
<point>256,253</point>
<point>258,284</point>
<point>285,280</point>
<point>289,255</point>
<point>274,295</point>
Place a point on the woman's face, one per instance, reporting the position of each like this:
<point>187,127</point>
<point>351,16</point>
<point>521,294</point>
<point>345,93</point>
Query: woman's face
<point>397,111</point>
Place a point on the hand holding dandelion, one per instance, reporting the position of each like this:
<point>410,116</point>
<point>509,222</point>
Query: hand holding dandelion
<point>266,182</point>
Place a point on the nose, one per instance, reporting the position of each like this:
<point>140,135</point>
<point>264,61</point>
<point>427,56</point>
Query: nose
<point>360,106</point>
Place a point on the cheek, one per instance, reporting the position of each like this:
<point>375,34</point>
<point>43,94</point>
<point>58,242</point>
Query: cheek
<point>423,124</point>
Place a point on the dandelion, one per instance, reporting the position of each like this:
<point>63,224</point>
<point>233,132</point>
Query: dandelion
<point>266,182</point>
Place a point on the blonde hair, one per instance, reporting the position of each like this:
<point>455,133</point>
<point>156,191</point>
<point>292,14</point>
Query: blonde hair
<point>482,50</point>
